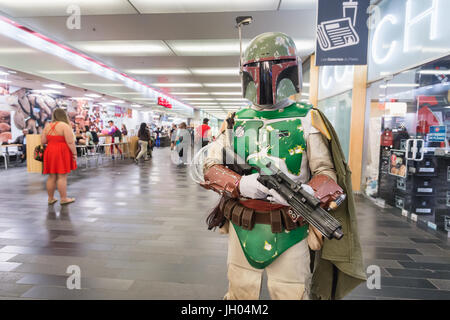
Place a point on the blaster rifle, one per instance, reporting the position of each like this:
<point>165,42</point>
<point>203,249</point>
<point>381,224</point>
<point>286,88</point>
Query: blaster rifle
<point>302,204</point>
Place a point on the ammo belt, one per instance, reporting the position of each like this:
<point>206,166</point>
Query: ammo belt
<point>245,213</point>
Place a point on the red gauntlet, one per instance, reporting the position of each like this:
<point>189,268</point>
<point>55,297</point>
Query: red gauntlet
<point>222,180</point>
<point>327,191</point>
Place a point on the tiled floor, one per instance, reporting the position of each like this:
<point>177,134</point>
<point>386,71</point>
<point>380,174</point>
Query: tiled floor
<point>138,232</point>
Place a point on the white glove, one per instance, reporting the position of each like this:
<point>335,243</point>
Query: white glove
<point>275,196</point>
<point>308,188</point>
<point>250,187</point>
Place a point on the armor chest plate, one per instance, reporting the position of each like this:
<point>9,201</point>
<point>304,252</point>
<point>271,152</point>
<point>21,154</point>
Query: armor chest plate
<point>276,140</point>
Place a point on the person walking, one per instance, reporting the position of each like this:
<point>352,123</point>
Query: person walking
<point>114,132</point>
<point>144,138</point>
<point>173,136</point>
<point>204,132</point>
<point>183,143</point>
<point>60,156</point>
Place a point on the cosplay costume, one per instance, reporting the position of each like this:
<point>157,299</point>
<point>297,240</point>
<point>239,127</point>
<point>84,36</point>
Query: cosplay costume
<point>296,139</point>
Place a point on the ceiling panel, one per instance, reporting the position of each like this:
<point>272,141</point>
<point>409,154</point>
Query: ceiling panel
<point>298,4</point>
<point>138,48</point>
<point>33,8</point>
<point>190,6</point>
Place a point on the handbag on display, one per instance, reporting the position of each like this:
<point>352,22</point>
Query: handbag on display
<point>39,153</point>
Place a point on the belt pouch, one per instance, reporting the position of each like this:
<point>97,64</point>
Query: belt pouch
<point>288,223</point>
<point>237,214</point>
<point>248,219</point>
<point>275,221</point>
<point>228,208</point>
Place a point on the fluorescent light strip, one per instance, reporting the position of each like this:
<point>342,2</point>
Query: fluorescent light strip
<point>237,93</point>
<point>435,72</point>
<point>29,37</point>
<point>199,99</point>
<point>231,99</point>
<point>215,71</point>
<point>118,101</point>
<point>127,93</point>
<point>159,71</point>
<point>93,95</point>
<point>223,85</point>
<point>206,103</point>
<point>47,91</point>
<point>54,86</point>
<point>82,98</point>
<point>190,93</point>
<point>4,73</point>
<point>102,84</point>
<point>63,72</point>
<point>399,85</point>
<point>177,85</point>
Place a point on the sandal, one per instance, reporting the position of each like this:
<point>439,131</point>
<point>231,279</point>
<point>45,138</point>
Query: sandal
<point>50,202</point>
<point>67,202</point>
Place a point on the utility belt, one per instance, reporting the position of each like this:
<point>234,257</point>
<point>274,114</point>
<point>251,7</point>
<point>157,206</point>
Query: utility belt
<point>247,213</point>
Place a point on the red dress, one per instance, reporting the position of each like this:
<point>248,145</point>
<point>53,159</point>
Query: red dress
<point>57,156</point>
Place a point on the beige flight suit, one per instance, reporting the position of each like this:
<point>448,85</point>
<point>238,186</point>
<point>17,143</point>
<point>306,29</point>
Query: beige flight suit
<point>289,274</point>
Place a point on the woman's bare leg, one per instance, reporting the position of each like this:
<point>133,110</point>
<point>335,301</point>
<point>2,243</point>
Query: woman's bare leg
<point>51,186</point>
<point>61,182</point>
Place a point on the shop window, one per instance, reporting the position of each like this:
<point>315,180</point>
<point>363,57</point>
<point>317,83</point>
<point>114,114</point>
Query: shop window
<point>338,111</point>
<point>407,152</point>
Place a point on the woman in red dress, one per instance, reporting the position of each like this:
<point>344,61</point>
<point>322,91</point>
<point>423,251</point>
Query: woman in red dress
<point>60,156</point>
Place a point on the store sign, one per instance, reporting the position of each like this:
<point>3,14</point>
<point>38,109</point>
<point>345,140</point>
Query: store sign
<point>164,103</point>
<point>437,134</point>
<point>406,33</point>
<point>396,109</point>
<point>342,32</point>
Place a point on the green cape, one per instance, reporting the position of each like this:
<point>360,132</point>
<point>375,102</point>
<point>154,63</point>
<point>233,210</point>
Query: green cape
<point>338,267</point>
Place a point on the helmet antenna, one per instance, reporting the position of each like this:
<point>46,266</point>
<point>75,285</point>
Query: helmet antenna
<point>240,21</point>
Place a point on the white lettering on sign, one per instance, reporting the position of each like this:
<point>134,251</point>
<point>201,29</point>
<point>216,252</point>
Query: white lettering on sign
<point>411,21</point>
<point>376,39</point>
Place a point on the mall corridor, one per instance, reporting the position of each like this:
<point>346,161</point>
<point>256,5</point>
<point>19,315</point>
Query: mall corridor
<point>138,232</point>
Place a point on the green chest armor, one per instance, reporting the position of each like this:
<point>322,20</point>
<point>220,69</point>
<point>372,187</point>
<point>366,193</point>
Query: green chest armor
<point>276,136</point>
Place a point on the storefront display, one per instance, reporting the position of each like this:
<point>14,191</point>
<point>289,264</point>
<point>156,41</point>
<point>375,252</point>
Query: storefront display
<point>414,150</point>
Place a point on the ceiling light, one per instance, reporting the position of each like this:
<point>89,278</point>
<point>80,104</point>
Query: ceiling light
<point>118,101</point>
<point>190,93</point>
<point>128,47</point>
<point>63,72</point>
<point>222,47</point>
<point>237,93</point>
<point>82,98</point>
<point>199,99</point>
<point>224,84</point>
<point>435,72</point>
<point>102,84</point>
<point>128,93</point>
<point>206,103</point>
<point>159,71</point>
<point>4,73</point>
<point>399,85</point>
<point>54,86</point>
<point>177,85</point>
<point>12,72</point>
<point>93,95</point>
<point>232,99</point>
<point>136,106</point>
<point>17,50</point>
<point>47,91</point>
<point>215,71</point>
<point>145,99</point>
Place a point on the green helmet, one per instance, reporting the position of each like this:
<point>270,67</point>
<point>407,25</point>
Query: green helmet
<point>271,72</point>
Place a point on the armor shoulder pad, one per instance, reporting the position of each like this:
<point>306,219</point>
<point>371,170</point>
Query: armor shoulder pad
<point>318,123</point>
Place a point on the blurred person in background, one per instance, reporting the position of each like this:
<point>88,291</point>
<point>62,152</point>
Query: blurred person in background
<point>60,156</point>
<point>23,141</point>
<point>115,133</point>
<point>183,142</point>
<point>144,139</point>
<point>204,132</point>
<point>124,130</point>
<point>173,136</point>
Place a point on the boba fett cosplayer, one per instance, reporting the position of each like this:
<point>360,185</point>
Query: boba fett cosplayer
<point>300,142</point>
